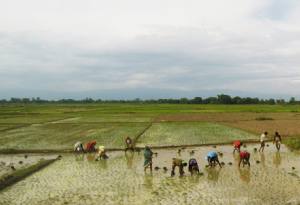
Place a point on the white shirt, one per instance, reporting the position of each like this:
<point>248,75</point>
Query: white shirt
<point>263,137</point>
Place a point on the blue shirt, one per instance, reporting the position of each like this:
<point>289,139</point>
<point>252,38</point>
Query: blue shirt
<point>212,154</point>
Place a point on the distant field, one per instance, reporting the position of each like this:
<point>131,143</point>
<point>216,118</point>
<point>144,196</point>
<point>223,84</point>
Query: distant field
<point>63,136</point>
<point>59,126</point>
<point>176,133</point>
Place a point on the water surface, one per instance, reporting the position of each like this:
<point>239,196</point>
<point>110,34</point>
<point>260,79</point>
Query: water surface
<point>79,179</point>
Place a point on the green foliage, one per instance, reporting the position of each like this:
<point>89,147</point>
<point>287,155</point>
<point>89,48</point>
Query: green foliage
<point>220,99</point>
<point>293,143</point>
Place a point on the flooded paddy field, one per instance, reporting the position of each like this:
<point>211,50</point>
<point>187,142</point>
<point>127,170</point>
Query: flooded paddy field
<point>19,161</point>
<point>78,179</point>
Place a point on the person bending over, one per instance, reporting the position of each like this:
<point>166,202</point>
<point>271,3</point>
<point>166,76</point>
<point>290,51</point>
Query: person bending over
<point>237,146</point>
<point>176,162</point>
<point>78,147</point>
<point>212,159</point>
<point>193,166</point>
<point>101,153</point>
<point>244,158</point>
<point>90,146</point>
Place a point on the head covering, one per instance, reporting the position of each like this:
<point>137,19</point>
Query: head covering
<point>101,148</point>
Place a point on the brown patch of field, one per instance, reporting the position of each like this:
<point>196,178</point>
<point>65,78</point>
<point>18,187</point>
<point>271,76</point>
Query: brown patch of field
<point>284,127</point>
<point>287,124</point>
<point>227,117</point>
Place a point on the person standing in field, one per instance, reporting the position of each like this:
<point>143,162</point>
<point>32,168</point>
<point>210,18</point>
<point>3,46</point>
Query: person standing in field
<point>129,144</point>
<point>148,158</point>
<point>277,140</point>
<point>263,141</point>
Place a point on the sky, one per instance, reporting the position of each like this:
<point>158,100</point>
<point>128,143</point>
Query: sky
<point>149,49</point>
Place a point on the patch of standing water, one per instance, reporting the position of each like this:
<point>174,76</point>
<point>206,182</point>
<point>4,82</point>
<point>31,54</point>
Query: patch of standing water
<point>79,179</point>
<point>20,161</point>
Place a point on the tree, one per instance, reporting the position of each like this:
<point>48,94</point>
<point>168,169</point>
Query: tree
<point>224,99</point>
<point>197,100</point>
<point>292,100</point>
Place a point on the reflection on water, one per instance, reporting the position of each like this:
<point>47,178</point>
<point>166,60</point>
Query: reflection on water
<point>91,157</point>
<point>79,179</point>
<point>129,159</point>
<point>245,174</point>
<point>263,159</point>
<point>79,157</point>
<point>213,173</point>
<point>277,159</point>
<point>148,180</point>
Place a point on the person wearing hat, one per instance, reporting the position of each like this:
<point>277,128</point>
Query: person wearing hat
<point>148,158</point>
<point>180,164</point>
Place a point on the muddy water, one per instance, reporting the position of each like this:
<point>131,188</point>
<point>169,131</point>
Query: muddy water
<point>20,161</point>
<point>78,179</point>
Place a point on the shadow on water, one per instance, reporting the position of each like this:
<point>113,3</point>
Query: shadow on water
<point>129,156</point>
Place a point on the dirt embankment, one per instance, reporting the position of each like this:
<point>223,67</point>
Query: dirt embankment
<point>20,174</point>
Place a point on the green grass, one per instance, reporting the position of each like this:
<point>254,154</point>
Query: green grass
<point>177,133</point>
<point>293,143</point>
<point>64,135</point>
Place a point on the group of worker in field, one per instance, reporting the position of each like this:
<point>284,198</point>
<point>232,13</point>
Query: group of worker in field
<point>193,167</point>
<point>212,156</point>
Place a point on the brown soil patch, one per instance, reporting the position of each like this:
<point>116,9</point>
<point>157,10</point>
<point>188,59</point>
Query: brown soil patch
<point>227,117</point>
<point>284,127</point>
<point>287,124</point>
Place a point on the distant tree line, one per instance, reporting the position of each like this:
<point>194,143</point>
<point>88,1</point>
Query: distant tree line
<point>219,99</point>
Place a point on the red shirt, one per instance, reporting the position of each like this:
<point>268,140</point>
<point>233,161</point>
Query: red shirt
<point>244,155</point>
<point>237,144</point>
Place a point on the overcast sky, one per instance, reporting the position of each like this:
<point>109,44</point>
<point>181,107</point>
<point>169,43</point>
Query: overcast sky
<point>149,49</point>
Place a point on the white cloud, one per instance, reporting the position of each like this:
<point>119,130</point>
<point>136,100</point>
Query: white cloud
<point>91,46</point>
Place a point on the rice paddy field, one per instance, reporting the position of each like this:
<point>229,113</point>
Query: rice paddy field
<point>59,126</point>
<point>121,180</point>
<point>273,177</point>
<point>189,133</point>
